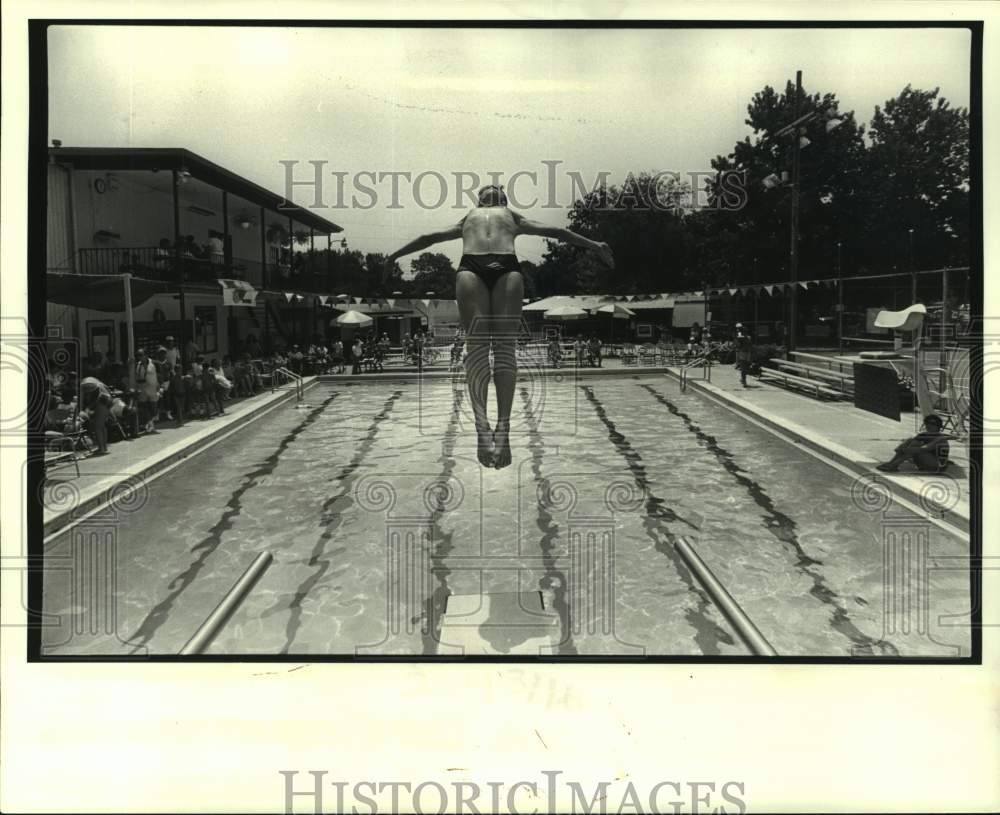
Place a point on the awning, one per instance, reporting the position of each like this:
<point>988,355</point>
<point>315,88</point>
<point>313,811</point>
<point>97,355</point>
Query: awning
<point>101,292</point>
<point>687,314</point>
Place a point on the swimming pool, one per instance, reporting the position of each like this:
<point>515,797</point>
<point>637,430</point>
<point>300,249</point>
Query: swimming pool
<point>372,503</point>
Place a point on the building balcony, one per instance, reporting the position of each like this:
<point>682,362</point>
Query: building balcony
<point>152,263</point>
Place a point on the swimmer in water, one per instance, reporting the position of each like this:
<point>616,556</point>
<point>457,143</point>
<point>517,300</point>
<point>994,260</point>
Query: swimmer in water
<point>489,290</point>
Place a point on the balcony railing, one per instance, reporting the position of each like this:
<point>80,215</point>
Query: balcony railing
<point>153,263</point>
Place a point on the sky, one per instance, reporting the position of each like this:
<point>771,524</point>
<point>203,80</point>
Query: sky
<point>447,101</point>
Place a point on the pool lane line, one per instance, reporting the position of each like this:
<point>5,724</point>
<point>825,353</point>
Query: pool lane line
<point>435,604</point>
<point>784,529</point>
<point>330,522</point>
<point>553,579</point>
<point>207,545</point>
<point>183,458</point>
<point>708,634</point>
<point>817,451</point>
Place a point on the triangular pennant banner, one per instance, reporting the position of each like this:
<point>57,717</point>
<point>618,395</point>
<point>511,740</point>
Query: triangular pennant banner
<point>288,296</point>
<point>769,289</point>
<point>358,300</point>
<point>733,291</point>
<point>391,302</point>
<point>804,284</point>
<point>425,302</point>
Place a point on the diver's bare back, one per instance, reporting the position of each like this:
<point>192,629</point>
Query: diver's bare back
<point>489,231</point>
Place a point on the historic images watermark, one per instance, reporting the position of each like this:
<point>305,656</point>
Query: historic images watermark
<point>313,791</point>
<point>548,188</point>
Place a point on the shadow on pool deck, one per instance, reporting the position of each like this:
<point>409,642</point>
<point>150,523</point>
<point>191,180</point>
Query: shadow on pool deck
<point>852,437</point>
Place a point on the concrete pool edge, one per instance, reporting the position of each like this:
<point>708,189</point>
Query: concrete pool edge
<point>852,460</point>
<point>94,497</point>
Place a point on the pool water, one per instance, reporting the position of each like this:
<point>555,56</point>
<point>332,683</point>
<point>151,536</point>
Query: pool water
<point>376,511</point>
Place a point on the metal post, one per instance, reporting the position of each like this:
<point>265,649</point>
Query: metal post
<point>296,320</point>
<point>329,261</point>
<point>312,271</point>
<point>913,274</point>
<point>266,342</point>
<point>227,259</point>
<point>704,319</point>
<point>180,270</point>
<point>756,304</point>
<point>794,256</point>
<point>840,301</point>
<point>129,329</point>
<point>943,361</point>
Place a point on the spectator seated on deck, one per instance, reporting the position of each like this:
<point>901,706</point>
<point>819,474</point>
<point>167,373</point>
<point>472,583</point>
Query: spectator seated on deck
<point>927,451</point>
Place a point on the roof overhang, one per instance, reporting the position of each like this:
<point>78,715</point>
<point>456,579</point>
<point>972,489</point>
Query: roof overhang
<point>176,158</point>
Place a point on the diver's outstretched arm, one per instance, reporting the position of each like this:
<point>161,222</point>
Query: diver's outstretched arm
<point>424,241</point>
<point>526,226</point>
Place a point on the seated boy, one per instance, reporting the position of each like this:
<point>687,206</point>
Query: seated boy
<point>927,450</point>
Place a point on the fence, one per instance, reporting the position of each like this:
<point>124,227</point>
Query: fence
<point>834,314</point>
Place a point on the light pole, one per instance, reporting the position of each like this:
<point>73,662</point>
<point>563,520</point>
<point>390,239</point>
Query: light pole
<point>793,261</point>
<point>840,300</point>
<point>913,273</point>
<point>796,129</point>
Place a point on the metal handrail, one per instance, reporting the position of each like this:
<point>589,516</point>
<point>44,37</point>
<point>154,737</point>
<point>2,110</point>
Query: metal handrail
<point>703,361</point>
<point>289,376</point>
<point>209,629</point>
<point>732,610</point>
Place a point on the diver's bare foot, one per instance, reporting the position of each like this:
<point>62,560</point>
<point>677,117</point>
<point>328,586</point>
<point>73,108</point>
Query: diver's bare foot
<point>501,440</point>
<point>484,445</point>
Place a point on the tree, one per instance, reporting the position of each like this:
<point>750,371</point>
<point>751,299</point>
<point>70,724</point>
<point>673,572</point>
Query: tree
<point>831,188</point>
<point>641,220</point>
<point>529,273</point>
<point>384,282</point>
<point>433,272</point>
<point>918,169</point>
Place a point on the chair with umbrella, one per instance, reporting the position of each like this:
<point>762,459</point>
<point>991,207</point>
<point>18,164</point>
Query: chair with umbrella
<point>566,313</point>
<point>617,312</point>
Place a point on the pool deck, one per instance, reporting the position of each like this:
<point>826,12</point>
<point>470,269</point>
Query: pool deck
<point>849,437</point>
<point>67,498</point>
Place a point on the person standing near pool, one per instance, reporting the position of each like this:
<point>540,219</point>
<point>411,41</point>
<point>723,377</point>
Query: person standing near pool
<point>489,290</point>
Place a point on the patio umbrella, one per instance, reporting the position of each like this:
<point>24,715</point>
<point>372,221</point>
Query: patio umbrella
<point>566,313</point>
<point>617,312</point>
<point>353,317</point>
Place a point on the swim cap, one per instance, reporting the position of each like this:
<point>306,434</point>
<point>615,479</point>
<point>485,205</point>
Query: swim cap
<point>493,194</point>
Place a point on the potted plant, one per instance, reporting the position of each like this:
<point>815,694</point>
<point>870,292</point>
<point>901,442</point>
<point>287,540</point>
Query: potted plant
<point>276,234</point>
<point>907,392</point>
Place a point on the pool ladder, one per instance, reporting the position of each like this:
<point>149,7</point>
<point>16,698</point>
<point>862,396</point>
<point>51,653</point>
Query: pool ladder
<point>289,376</point>
<point>704,362</point>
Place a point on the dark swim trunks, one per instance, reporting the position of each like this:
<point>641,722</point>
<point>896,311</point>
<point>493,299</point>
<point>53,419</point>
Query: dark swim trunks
<point>489,267</point>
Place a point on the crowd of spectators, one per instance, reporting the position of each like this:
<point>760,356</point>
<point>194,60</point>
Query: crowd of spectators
<point>130,399</point>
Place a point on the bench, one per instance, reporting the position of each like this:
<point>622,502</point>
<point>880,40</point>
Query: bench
<point>845,382</point>
<point>815,360</point>
<point>812,386</point>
